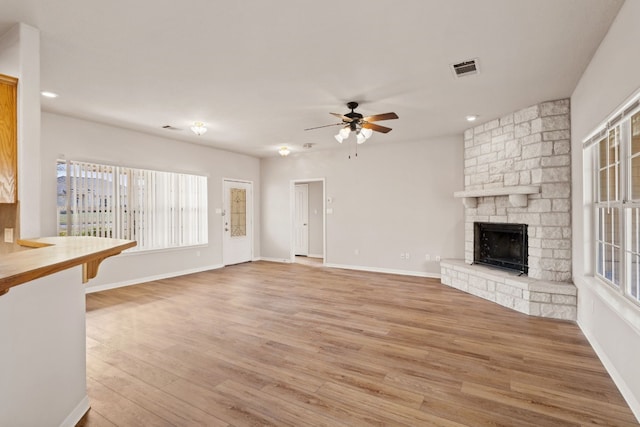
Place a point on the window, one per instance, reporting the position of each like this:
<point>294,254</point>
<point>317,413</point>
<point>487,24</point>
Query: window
<point>157,209</point>
<point>617,202</point>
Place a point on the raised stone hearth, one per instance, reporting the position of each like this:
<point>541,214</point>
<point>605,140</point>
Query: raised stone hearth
<point>517,171</point>
<point>555,300</point>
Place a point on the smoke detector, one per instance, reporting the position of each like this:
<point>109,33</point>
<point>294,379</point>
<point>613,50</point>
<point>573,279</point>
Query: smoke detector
<point>465,68</point>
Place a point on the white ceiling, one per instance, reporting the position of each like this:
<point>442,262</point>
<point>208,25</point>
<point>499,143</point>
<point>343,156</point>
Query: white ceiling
<point>259,72</point>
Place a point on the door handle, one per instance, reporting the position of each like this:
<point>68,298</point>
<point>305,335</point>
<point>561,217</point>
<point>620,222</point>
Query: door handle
<point>304,225</point>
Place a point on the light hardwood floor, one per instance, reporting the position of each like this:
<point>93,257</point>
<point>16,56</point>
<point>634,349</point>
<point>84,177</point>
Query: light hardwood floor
<point>290,344</point>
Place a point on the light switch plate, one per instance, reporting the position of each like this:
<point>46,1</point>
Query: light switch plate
<point>8,235</point>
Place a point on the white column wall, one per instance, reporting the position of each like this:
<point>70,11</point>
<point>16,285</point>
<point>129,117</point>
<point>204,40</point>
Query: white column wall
<point>610,322</point>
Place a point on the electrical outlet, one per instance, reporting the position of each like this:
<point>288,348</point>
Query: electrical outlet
<point>8,235</point>
<point>407,255</point>
<point>437,258</point>
<point>401,255</point>
<point>356,251</point>
<point>427,257</point>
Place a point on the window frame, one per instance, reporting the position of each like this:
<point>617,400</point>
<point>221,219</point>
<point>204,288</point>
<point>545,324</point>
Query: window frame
<point>625,205</point>
<point>172,206</point>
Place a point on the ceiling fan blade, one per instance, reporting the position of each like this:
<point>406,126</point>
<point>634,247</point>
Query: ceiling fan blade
<point>344,118</point>
<point>376,127</point>
<point>325,126</point>
<point>378,117</point>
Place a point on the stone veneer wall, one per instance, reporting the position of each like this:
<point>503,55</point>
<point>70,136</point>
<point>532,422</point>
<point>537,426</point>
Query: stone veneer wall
<point>528,147</point>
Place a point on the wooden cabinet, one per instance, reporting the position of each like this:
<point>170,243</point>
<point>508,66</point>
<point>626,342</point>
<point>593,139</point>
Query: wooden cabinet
<point>8,140</point>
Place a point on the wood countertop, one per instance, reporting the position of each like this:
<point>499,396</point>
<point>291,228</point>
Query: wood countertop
<point>49,255</point>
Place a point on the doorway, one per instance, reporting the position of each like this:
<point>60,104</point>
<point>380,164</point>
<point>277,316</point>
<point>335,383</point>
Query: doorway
<point>308,221</point>
<point>237,222</point>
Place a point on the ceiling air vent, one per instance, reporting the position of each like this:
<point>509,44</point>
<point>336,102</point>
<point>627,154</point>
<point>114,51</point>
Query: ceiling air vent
<point>465,68</point>
<point>169,127</point>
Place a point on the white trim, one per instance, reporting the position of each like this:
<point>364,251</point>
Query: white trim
<point>77,413</point>
<point>315,256</point>
<point>617,378</point>
<point>253,215</point>
<point>626,311</point>
<point>385,270</point>
<point>107,286</point>
<point>625,308</point>
<point>635,96</point>
<point>280,260</point>
<point>292,189</point>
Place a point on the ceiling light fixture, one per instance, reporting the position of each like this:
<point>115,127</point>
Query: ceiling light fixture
<point>198,128</point>
<point>471,118</point>
<point>284,151</point>
<point>362,134</point>
<point>343,134</point>
<point>47,94</point>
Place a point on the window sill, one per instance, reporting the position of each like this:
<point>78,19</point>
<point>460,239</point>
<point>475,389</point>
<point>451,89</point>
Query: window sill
<point>162,250</point>
<point>618,303</point>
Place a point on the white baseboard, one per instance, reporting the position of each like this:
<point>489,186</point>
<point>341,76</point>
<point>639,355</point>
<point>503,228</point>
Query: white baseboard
<point>385,270</point>
<point>280,260</point>
<point>315,256</point>
<point>77,413</point>
<point>139,280</point>
<point>618,379</point>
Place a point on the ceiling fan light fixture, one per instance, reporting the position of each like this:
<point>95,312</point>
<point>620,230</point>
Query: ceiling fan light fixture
<point>344,132</point>
<point>367,133</point>
<point>284,151</point>
<point>361,138</point>
<point>198,128</point>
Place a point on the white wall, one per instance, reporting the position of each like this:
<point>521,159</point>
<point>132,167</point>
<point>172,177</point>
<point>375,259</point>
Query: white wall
<point>42,323</point>
<point>20,57</point>
<point>76,139</point>
<point>43,352</point>
<point>611,323</point>
<point>390,199</point>
<point>316,228</point>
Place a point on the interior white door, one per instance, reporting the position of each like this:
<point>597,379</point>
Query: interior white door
<point>237,222</point>
<point>301,219</point>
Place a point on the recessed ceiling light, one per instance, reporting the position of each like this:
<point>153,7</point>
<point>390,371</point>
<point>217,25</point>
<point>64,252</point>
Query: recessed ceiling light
<point>284,151</point>
<point>471,118</point>
<point>47,94</point>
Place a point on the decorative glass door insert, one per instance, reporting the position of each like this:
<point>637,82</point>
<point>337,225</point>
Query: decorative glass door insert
<point>238,212</point>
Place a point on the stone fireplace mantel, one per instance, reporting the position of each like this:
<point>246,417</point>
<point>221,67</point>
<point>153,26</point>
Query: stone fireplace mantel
<point>518,195</point>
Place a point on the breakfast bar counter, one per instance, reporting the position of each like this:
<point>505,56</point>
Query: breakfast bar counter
<point>41,257</point>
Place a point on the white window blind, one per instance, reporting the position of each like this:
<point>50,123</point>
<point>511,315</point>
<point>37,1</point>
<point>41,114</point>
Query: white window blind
<point>156,209</point>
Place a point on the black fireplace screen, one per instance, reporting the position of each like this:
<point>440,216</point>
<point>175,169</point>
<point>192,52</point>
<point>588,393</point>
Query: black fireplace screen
<point>501,245</point>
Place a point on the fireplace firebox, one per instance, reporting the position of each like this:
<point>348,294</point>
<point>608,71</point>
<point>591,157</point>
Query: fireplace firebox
<point>501,245</point>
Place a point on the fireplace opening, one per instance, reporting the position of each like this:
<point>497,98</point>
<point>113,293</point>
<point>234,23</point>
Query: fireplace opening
<point>501,245</point>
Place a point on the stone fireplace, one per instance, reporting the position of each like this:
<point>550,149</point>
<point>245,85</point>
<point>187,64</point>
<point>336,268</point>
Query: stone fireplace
<point>501,245</point>
<point>517,171</point>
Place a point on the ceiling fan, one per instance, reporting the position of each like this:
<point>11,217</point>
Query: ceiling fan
<point>356,122</point>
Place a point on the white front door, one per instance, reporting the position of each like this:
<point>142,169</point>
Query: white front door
<point>301,220</point>
<point>237,222</point>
